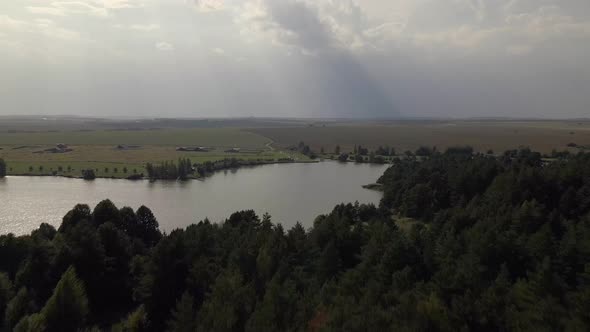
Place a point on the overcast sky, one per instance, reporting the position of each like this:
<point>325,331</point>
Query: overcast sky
<point>289,58</point>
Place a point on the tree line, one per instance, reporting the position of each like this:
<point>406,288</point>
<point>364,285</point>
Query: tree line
<point>86,173</point>
<point>169,170</point>
<point>184,169</point>
<point>2,168</point>
<point>306,150</point>
<point>360,154</point>
<point>494,243</point>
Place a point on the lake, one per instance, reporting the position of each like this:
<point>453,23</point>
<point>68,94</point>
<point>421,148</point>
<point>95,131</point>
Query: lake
<point>288,192</point>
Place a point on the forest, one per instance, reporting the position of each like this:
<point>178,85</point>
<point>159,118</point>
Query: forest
<point>495,244</point>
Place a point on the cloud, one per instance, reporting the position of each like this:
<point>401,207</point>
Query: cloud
<point>138,27</point>
<point>97,8</point>
<point>144,27</point>
<point>479,27</point>
<point>43,27</point>
<point>7,22</point>
<point>519,50</point>
<point>297,23</point>
<point>59,8</point>
<point>335,57</point>
<point>119,4</point>
<point>311,26</point>
<point>209,5</point>
<point>38,40</point>
<point>164,47</point>
<point>218,51</point>
<point>46,11</point>
<point>460,26</point>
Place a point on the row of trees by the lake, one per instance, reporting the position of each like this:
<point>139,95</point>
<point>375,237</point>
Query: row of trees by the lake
<point>184,169</point>
<point>386,154</point>
<point>460,242</point>
<point>2,168</point>
<point>170,170</point>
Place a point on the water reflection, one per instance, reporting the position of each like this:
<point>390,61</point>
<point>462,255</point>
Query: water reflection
<point>289,192</point>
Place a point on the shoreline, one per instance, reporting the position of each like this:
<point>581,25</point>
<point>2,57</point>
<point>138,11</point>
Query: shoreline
<point>144,178</point>
<point>335,158</point>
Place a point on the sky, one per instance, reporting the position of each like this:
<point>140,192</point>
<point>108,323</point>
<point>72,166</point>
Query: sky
<point>296,58</point>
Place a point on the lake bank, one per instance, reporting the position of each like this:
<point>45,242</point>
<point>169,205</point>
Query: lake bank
<point>136,177</point>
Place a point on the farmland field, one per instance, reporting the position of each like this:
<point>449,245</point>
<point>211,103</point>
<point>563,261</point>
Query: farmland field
<point>499,136</point>
<point>120,153</point>
<point>223,137</point>
<point>101,151</point>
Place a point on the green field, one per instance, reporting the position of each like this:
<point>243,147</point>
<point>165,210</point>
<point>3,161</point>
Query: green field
<point>115,170</point>
<point>218,137</point>
<point>499,136</point>
<point>99,150</point>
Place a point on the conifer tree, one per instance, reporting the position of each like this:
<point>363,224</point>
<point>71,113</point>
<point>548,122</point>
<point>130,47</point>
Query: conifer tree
<point>67,308</point>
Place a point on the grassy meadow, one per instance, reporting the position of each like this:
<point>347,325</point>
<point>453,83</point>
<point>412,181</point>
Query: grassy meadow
<point>499,136</point>
<point>99,150</point>
<point>218,137</point>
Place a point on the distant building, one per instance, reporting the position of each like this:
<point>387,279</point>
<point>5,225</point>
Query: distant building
<point>197,149</point>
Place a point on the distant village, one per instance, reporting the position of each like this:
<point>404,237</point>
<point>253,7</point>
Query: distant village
<point>64,148</point>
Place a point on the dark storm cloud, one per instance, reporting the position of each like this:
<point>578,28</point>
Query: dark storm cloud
<point>299,24</point>
<point>332,82</point>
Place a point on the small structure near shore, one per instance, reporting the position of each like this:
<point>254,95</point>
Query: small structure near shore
<point>193,149</point>
<point>59,148</point>
<point>127,147</point>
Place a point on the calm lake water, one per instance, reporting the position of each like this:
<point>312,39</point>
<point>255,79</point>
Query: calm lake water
<point>288,192</point>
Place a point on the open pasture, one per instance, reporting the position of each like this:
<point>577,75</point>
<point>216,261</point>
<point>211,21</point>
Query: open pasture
<point>217,137</point>
<point>499,136</point>
<point>107,151</point>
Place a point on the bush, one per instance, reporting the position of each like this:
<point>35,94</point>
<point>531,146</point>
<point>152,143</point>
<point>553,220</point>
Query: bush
<point>460,150</point>
<point>88,174</point>
<point>424,151</point>
<point>2,168</point>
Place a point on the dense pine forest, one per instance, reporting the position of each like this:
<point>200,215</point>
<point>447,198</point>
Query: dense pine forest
<point>460,242</point>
